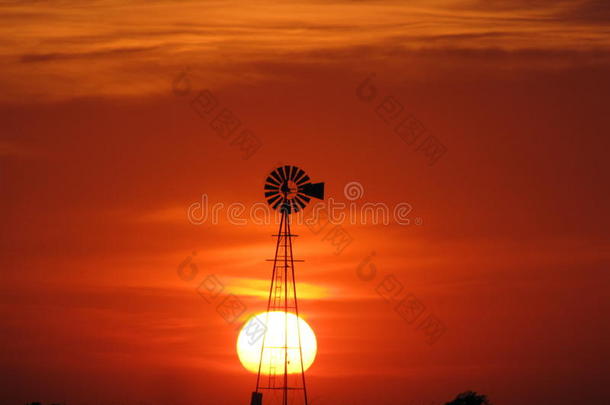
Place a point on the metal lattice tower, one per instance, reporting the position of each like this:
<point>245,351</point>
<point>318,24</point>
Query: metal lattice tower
<point>288,189</point>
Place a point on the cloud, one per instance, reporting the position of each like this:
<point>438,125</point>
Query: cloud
<point>260,288</point>
<point>588,11</point>
<point>140,41</point>
<point>46,57</point>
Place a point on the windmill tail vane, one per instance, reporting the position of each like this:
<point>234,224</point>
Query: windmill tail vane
<point>281,372</point>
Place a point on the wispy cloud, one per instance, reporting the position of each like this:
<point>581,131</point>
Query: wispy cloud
<point>45,57</point>
<point>251,287</point>
<point>154,38</point>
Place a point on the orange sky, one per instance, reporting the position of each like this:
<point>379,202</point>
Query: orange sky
<point>99,161</point>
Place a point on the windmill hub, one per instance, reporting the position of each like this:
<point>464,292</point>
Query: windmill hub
<point>289,189</point>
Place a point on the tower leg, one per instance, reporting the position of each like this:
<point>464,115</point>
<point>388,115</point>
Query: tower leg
<point>257,398</point>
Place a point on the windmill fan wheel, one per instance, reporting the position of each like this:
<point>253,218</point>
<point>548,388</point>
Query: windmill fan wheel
<point>288,188</point>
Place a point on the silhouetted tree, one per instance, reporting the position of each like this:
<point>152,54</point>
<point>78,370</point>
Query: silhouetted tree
<point>469,398</point>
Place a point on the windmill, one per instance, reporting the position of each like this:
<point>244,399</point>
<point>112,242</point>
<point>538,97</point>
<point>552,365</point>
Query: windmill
<point>287,189</point>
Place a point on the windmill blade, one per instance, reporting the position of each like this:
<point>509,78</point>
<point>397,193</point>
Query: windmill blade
<point>315,190</point>
<point>276,176</point>
<point>271,187</point>
<point>283,173</point>
<point>277,203</point>
<point>293,172</point>
<point>273,199</point>
<point>300,174</point>
<point>303,197</point>
<point>295,207</point>
<point>305,179</point>
<point>298,200</point>
<point>286,206</point>
<point>270,193</point>
<point>272,181</point>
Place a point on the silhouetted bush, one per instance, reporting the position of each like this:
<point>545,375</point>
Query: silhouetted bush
<point>469,398</point>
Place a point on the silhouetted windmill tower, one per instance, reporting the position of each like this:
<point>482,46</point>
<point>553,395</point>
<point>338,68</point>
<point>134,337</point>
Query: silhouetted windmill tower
<point>287,189</point>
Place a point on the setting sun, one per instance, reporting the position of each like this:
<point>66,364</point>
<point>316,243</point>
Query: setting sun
<point>249,345</point>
